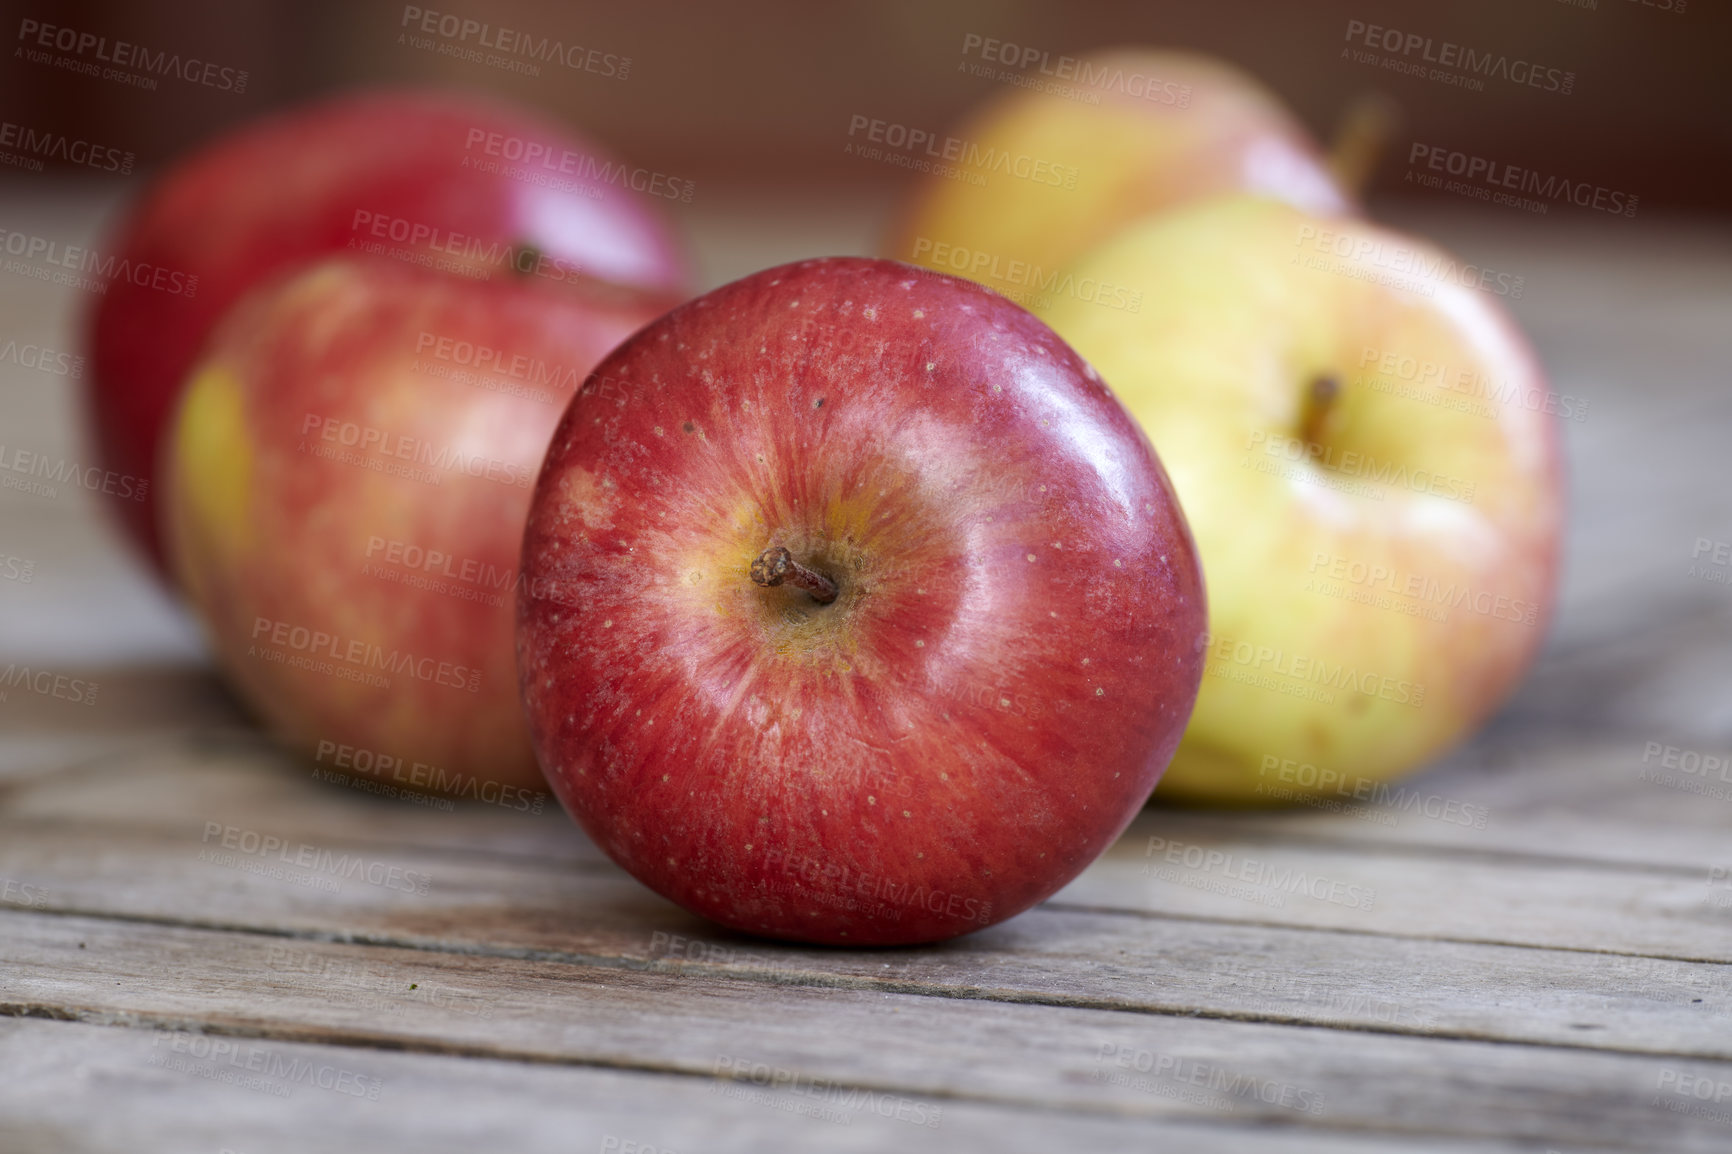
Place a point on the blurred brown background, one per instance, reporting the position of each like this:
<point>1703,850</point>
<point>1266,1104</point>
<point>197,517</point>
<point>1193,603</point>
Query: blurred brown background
<point>763,91</point>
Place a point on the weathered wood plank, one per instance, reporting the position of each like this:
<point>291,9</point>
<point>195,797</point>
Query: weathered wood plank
<point>1590,796</point>
<point>1583,802</point>
<point>508,907</point>
<point>432,1104</point>
<point>1665,911</point>
<point>901,1045</point>
<point>240,778</point>
<point>1258,875</point>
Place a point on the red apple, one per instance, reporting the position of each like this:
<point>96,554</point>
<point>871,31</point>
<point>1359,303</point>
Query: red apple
<point>1013,647</point>
<point>468,185</point>
<point>346,485</point>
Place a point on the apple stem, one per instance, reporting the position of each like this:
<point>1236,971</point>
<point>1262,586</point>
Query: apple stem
<point>1319,400</point>
<point>776,565</point>
<point>1361,139</point>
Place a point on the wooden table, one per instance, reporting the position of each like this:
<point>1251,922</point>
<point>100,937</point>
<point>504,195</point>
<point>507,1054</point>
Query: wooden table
<point>1558,977</point>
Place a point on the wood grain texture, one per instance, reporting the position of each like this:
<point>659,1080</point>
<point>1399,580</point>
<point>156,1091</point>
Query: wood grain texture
<point>462,1105</point>
<point>588,912</point>
<point>903,1046</point>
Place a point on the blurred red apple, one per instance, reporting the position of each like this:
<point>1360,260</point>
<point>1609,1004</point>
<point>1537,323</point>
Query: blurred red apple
<point>346,485</point>
<point>1013,645</point>
<point>455,182</point>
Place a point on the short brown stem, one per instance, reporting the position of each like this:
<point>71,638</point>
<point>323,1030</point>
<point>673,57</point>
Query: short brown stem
<point>1315,409</point>
<point>1363,136</point>
<point>776,565</point>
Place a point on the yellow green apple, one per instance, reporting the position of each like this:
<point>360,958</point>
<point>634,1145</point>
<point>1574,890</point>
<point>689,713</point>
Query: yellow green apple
<point>1040,174</point>
<point>1368,454</point>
